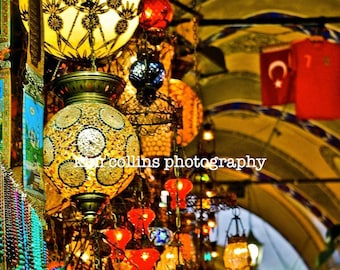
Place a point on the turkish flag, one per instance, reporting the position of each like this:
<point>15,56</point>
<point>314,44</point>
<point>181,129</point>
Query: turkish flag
<point>316,67</point>
<point>276,81</point>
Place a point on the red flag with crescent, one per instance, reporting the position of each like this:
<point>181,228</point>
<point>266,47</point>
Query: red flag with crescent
<point>316,67</point>
<point>276,82</point>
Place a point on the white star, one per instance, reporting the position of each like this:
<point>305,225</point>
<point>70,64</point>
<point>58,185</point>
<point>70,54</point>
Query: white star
<point>278,83</point>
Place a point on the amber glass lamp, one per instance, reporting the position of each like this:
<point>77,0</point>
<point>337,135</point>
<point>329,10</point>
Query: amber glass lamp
<point>236,254</point>
<point>172,257</point>
<point>192,110</point>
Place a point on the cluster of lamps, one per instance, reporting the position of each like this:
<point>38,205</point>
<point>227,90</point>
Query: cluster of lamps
<point>83,137</point>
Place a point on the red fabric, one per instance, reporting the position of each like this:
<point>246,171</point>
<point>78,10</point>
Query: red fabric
<point>316,67</point>
<point>275,76</point>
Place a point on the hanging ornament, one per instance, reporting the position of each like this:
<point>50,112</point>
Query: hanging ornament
<point>118,238</point>
<point>160,236</point>
<point>178,190</point>
<point>88,143</point>
<point>141,219</point>
<point>236,253</point>
<point>155,17</point>
<point>145,258</point>
<point>146,75</point>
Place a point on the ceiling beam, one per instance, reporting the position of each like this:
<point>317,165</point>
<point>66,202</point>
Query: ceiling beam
<point>317,21</point>
<point>278,182</point>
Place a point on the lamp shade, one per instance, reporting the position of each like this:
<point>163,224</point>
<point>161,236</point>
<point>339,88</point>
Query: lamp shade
<point>192,110</point>
<point>71,28</point>
<point>145,258</point>
<point>141,219</point>
<point>170,258</point>
<point>236,254</point>
<point>160,236</point>
<point>118,237</point>
<point>147,75</point>
<point>88,144</point>
<point>156,14</point>
<point>178,190</point>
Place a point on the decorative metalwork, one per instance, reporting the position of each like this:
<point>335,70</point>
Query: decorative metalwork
<point>85,29</point>
<point>89,151</point>
<point>35,84</point>
<point>35,41</point>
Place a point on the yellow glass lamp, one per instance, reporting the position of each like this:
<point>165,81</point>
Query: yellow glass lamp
<point>170,258</point>
<point>89,146</point>
<point>77,29</point>
<point>192,110</point>
<point>236,253</point>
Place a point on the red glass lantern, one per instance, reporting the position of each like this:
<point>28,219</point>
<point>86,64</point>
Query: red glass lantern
<point>141,219</point>
<point>145,258</point>
<point>156,15</point>
<point>118,237</point>
<point>180,187</point>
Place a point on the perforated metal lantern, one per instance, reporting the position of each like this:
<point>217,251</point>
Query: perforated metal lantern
<point>88,144</point>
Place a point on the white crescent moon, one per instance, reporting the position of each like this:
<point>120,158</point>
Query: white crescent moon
<point>275,64</point>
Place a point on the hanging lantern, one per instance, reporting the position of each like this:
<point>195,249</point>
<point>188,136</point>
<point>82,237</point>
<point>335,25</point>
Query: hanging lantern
<point>156,16</point>
<point>192,110</point>
<point>118,238</point>
<point>171,258</point>
<point>141,219</point>
<point>236,254</point>
<point>71,28</point>
<point>178,190</point>
<point>88,144</point>
<point>145,258</point>
<point>147,76</point>
<point>160,236</point>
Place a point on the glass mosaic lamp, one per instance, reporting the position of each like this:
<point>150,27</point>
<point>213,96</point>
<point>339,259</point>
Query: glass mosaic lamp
<point>88,143</point>
<point>83,140</point>
<point>236,253</point>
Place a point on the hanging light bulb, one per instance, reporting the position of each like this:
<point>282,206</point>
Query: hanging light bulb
<point>208,133</point>
<point>211,220</point>
<point>178,189</point>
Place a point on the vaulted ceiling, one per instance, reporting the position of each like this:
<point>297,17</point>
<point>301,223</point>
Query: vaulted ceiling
<point>303,157</point>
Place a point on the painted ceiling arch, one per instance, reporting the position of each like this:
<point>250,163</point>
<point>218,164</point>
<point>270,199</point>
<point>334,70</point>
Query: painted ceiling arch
<point>297,151</point>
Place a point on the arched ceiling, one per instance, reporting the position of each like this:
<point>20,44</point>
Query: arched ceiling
<point>296,151</point>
